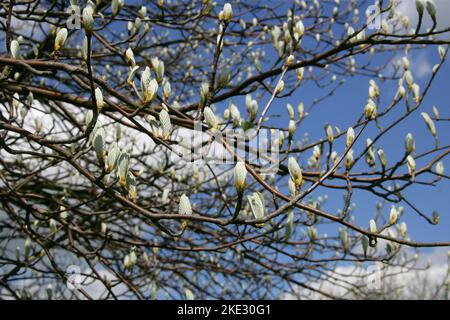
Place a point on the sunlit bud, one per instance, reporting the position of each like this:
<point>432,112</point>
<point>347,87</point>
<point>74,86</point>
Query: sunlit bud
<point>295,172</point>
<point>60,39</point>
<point>370,110</point>
<point>382,157</point>
<point>393,215</point>
<point>210,118</point>
<point>113,157</point>
<point>204,91</point>
<point>235,114</point>
<point>257,205</point>
<point>280,87</point>
<point>299,29</point>
<point>99,142</point>
<point>411,163</point>
<point>184,207</point>
<point>403,229</point>
<point>405,63</point>
<point>167,89</point>
<point>131,74</point>
<point>280,139</point>
<point>300,72</point>
<point>334,157</point>
<point>440,168</point>
<point>151,91</point>
<point>292,188</point>
<point>372,226</point>
<point>401,92</point>
<point>416,92</point>
<point>290,111</point>
<point>431,8</point>
<point>131,185</point>
<point>429,123</point>
<point>435,112</point>
<point>409,79</point>
<point>441,51</point>
<point>350,137</point>
<point>99,98</point>
<point>88,19</point>
<point>316,152</point>
<point>227,13</point>
<point>166,124</point>
<point>240,173</point>
<point>374,85</point>
<point>312,233</point>
<point>158,67</point>
<point>129,57</point>
<point>370,156</point>
<point>300,110</point>
<point>410,144</point>
<point>349,159</point>
<point>291,128</point>
<point>372,92</point>
<point>122,168</point>
<point>142,12</point>
<point>289,60</point>
<point>15,49</point>
<point>329,133</point>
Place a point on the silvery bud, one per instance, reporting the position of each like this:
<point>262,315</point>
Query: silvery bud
<point>227,13</point>
<point>129,57</point>
<point>290,111</point>
<point>393,215</point>
<point>166,124</point>
<point>372,226</point>
<point>416,92</point>
<point>210,118</point>
<point>61,38</point>
<point>329,133</point>
<point>257,205</point>
<point>429,123</point>
<point>291,128</point>
<point>382,157</point>
<point>300,73</point>
<point>240,173</point>
<point>410,144</point>
<point>411,163</point>
<point>440,168</point>
<point>99,98</point>
<point>280,87</point>
<point>15,49</point>
<point>295,172</point>
<point>350,137</point>
<point>403,229</point>
<point>88,19</point>
<point>184,207</point>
